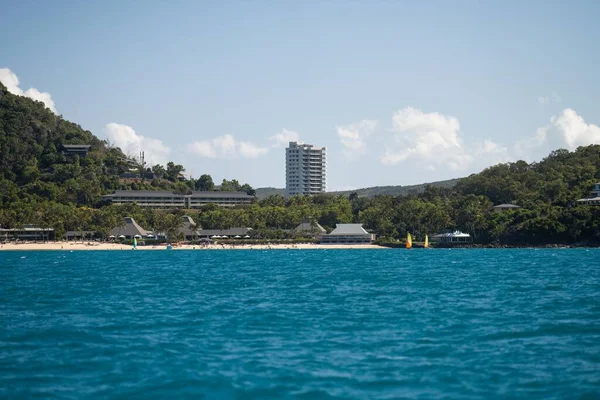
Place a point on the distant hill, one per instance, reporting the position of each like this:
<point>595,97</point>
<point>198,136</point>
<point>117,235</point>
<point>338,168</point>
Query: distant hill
<point>262,193</point>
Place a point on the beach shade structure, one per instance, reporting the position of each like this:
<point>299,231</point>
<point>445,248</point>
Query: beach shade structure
<point>137,236</point>
<point>150,236</point>
<point>237,237</point>
<point>247,237</point>
<point>121,236</point>
<point>111,237</point>
<point>215,236</point>
<point>225,237</point>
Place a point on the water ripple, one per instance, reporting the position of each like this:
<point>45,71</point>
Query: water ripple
<point>460,324</point>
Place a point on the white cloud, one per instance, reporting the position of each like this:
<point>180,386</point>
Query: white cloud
<point>433,141</point>
<point>283,138</point>
<point>11,81</point>
<point>552,98</point>
<point>432,138</point>
<point>226,146</point>
<point>567,130</point>
<point>132,143</point>
<point>574,130</point>
<point>352,137</point>
<point>250,150</point>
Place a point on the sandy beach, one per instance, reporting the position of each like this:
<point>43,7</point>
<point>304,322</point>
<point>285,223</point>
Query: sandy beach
<point>117,246</point>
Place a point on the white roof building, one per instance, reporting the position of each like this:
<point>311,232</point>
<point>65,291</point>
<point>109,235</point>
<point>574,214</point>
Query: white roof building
<point>348,234</point>
<point>451,237</point>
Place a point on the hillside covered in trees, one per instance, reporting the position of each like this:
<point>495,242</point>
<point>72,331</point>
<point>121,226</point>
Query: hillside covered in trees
<point>41,185</point>
<point>398,190</point>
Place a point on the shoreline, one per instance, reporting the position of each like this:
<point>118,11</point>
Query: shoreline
<point>87,246</point>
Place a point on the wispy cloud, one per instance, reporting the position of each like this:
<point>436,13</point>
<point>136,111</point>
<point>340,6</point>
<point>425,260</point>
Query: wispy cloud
<point>353,137</point>
<point>11,81</point>
<point>226,146</point>
<point>283,138</point>
<point>125,137</point>
<point>552,98</point>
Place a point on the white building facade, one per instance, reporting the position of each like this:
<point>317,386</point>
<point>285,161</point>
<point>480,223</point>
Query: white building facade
<point>305,169</point>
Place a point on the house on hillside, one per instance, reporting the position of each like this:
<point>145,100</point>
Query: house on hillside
<point>129,230</point>
<point>347,234</point>
<point>80,150</point>
<point>505,207</point>
<point>594,198</point>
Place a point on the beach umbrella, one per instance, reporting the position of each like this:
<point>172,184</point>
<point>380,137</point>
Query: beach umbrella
<point>111,237</point>
<point>121,236</point>
<point>150,236</point>
<point>247,237</point>
<point>225,237</point>
<point>137,236</point>
<point>237,236</point>
<point>216,236</point>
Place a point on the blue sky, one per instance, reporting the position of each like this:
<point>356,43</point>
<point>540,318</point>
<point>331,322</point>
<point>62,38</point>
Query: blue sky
<point>400,92</point>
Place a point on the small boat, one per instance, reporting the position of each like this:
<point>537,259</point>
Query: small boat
<point>408,241</point>
<point>426,244</point>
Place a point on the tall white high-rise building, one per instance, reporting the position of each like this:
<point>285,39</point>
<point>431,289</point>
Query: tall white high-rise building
<point>304,169</point>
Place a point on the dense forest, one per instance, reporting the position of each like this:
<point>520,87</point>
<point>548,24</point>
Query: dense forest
<point>41,185</point>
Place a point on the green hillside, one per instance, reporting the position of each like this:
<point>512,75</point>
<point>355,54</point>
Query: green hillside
<point>263,193</point>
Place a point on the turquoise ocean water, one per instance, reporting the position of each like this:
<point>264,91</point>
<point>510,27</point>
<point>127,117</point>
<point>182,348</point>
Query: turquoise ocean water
<point>376,324</point>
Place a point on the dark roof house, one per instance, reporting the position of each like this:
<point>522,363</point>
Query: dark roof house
<point>75,149</point>
<point>505,207</point>
<point>310,227</point>
<point>189,229</point>
<point>129,229</point>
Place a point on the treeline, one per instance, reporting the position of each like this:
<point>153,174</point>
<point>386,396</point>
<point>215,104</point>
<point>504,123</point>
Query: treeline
<point>40,185</point>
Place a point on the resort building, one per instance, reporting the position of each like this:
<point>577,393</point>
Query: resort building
<point>129,230</point>
<point>27,232</point>
<point>80,150</point>
<point>348,234</point>
<point>166,199</point>
<point>505,207</point>
<point>594,198</point>
<point>451,237</point>
<point>305,167</point>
